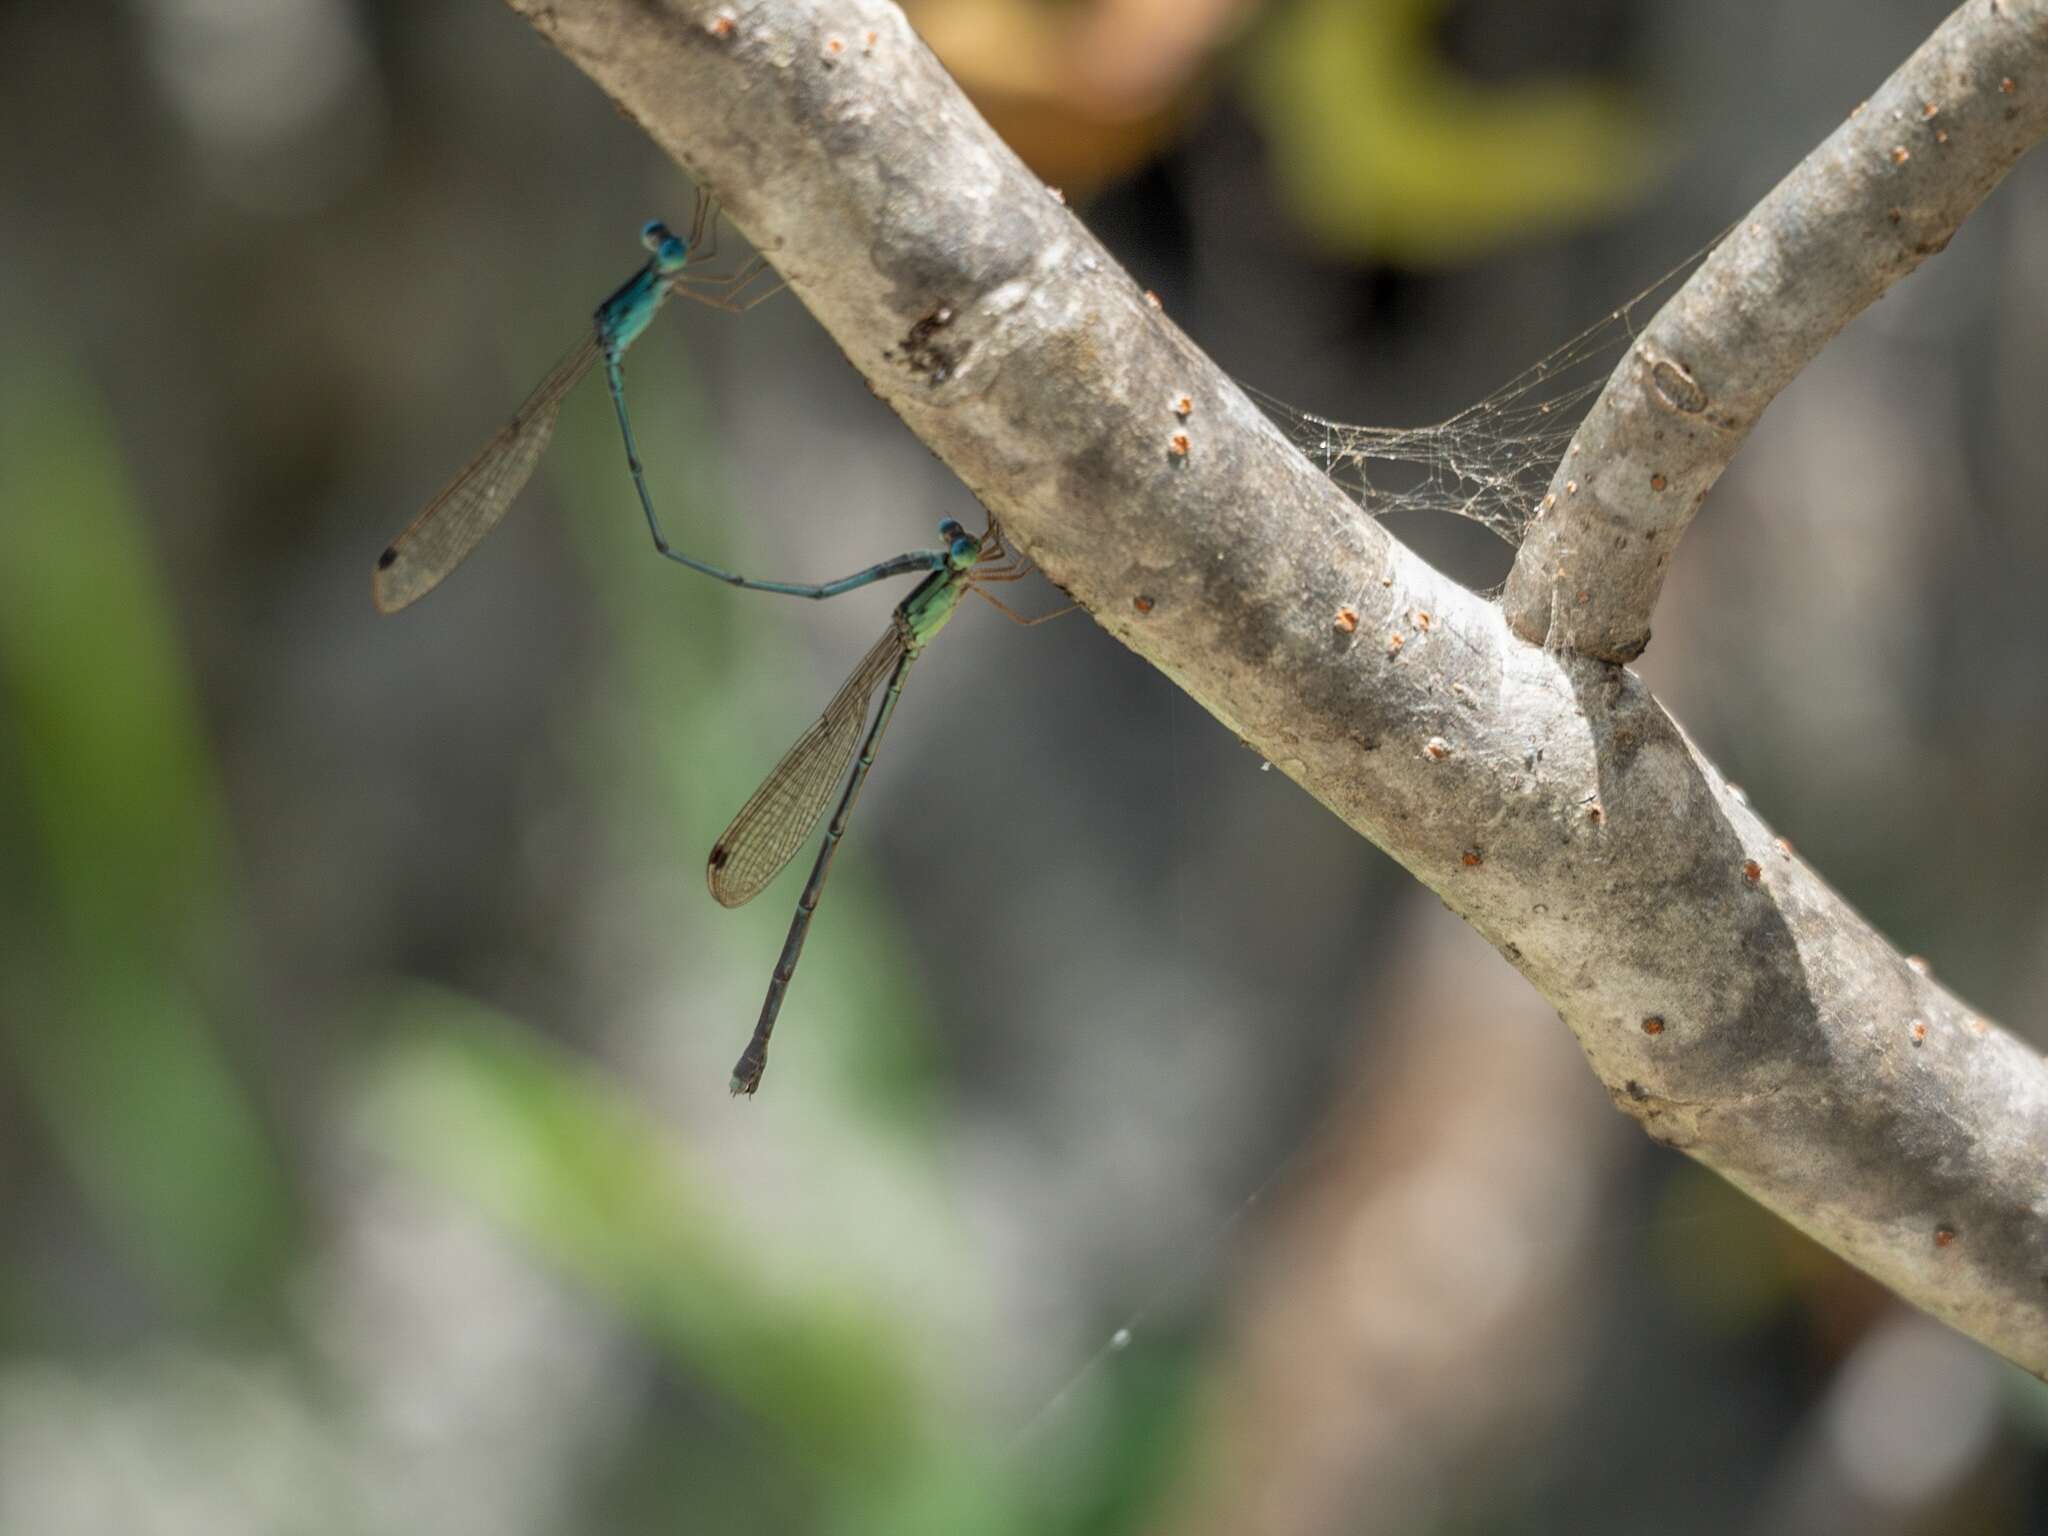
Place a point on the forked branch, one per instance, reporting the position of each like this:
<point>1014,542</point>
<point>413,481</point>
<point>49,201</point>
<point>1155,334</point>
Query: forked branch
<point>1731,1002</point>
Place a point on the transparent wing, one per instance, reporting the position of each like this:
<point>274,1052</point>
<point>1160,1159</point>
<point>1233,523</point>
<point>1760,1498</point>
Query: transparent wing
<point>779,818</point>
<point>455,521</point>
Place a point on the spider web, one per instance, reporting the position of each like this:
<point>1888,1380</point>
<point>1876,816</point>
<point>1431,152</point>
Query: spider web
<point>1492,461</point>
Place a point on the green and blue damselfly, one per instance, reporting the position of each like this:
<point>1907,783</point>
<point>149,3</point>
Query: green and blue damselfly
<point>780,816</point>
<point>476,500</point>
<point>783,812</point>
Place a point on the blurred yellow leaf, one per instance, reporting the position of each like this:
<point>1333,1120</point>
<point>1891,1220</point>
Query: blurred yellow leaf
<point>1384,150</point>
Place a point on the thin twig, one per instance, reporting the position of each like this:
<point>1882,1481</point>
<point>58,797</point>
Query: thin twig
<point>1884,192</point>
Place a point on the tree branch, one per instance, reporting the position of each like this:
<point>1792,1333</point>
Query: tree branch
<point>1884,192</point>
<point>1731,1002</point>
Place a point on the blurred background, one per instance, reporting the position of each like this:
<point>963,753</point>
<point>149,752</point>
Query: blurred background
<point>1143,1152</point>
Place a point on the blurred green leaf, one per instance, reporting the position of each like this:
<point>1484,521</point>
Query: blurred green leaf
<point>1384,150</point>
<point>119,1054</point>
<point>561,1158</point>
<point>1147,1430</point>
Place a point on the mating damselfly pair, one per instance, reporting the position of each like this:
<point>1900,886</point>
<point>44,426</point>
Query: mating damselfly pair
<point>1483,463</point>
<point>781,815</point>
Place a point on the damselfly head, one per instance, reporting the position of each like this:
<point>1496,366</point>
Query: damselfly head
<point>671,253</point>
<point>950,528</point>
<point>965,551</point>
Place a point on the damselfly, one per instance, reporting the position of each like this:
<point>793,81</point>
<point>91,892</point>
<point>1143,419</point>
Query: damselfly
<point>457,520</point>
<point>781,814</point>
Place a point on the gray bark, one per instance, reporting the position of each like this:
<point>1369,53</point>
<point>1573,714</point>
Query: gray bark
<point>1730,1001</point>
